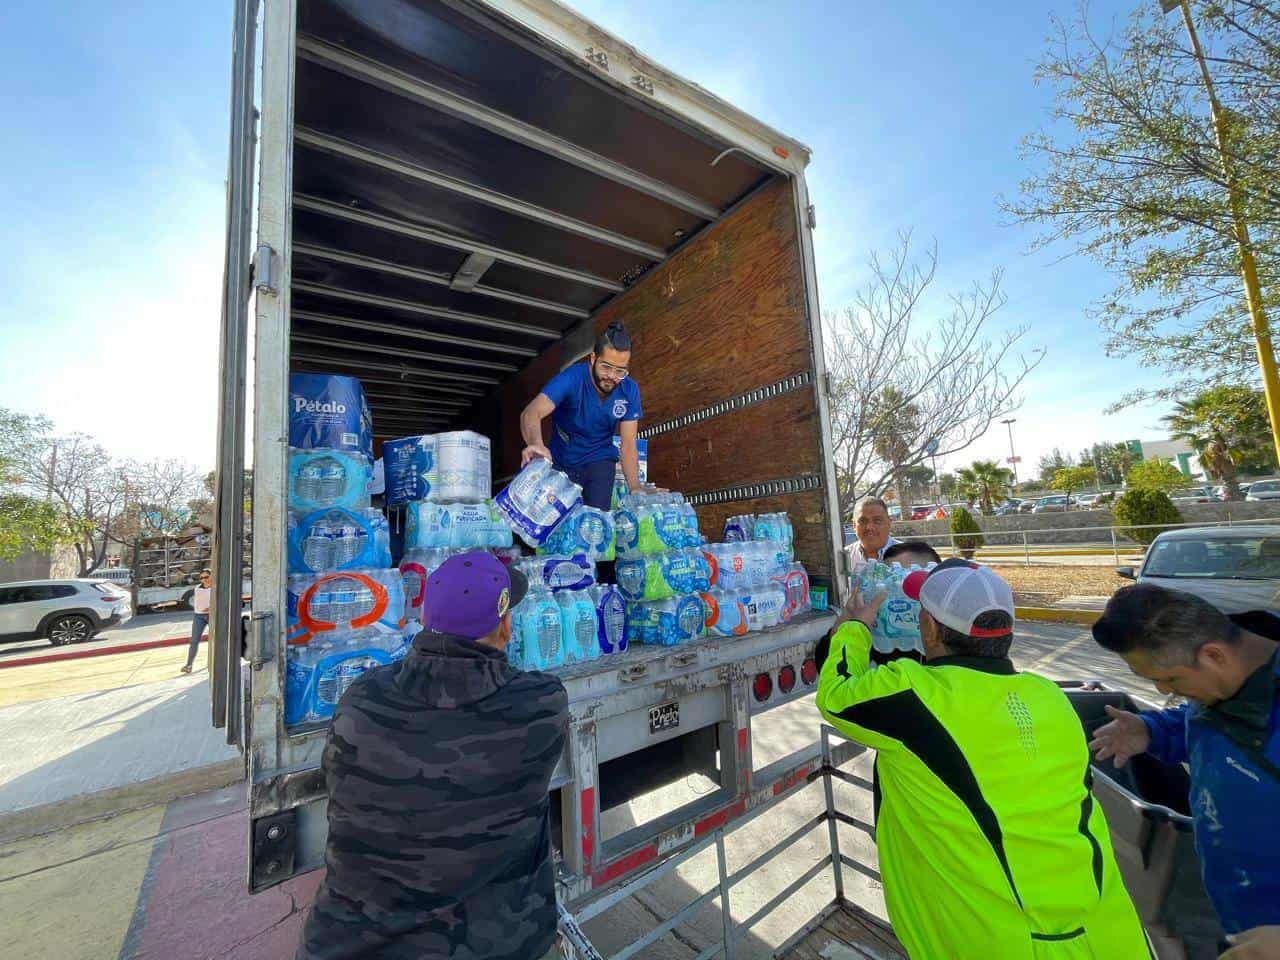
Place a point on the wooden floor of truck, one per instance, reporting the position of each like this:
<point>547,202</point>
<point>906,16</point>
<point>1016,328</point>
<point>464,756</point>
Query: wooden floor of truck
<point>849,933</point>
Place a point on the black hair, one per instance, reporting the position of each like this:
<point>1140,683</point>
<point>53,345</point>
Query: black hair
<point>963,645</point>
<point>613,337</point>
<point>1167,625</point>
<point>917,547</point>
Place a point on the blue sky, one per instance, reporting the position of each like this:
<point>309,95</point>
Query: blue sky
<point>116,157</point>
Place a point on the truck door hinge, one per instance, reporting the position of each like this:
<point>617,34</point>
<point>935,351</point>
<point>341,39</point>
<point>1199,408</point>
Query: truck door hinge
<point>811,214</point>
<point>263,274</point>
<point>262,641</point>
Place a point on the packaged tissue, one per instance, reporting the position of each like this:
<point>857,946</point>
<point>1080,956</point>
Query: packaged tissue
<point>329,412</point>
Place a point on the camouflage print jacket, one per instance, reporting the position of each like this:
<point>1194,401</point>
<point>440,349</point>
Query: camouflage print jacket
<point>439,832</point>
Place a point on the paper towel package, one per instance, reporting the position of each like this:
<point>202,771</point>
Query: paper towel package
<point>464,466</point>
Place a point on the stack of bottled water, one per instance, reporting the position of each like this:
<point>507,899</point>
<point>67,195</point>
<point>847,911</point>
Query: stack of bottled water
<point>346,603</point>
<point>756,586</point>
<point>430,525</point>
<point>537,500</point>
<point>554,629</point>
<point>662,568</point>
<point>558,571</point>
<point>669,622</point>
<point>897,625</point>
<point>764,526</point>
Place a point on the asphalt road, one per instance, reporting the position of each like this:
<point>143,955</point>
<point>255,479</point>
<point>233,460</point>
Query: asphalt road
<point>141,629</point>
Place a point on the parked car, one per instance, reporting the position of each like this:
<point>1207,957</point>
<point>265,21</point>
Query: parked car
<point>922,511</point>
<point>1234,568</point>
<point>1027,506</point>
<point>1087,501</point>
<point>1008,507</point>
<point>1264,490</point>
<point>1193,495</point>
<point>895,512</point>
<point>1058,504</point>
<point>61,611</point>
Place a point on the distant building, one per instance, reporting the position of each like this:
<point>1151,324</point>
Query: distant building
<point>1178,452</point>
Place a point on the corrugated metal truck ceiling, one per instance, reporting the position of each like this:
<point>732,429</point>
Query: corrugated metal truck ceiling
<point>464,196</point>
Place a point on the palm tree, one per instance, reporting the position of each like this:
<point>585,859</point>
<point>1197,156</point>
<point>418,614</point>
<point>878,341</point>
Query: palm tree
<point>1224,425</point>
<point>985,482</point>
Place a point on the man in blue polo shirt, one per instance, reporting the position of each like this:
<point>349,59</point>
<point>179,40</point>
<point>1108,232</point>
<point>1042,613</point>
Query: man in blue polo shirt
<point>588,403</point>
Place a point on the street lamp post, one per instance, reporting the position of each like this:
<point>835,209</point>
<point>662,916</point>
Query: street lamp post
<point>1248,265</point>
<point>1013,459</point>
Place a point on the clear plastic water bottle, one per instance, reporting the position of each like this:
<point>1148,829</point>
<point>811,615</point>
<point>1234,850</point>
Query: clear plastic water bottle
<point>310,477</point>
<point>348,540</point>
<point>331,479</point>
<point>543,646</point>
<point>610,620</point>
<point>317,546</point>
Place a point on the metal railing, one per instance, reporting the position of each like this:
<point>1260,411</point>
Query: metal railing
<point>1114,537</point>
<point>575,945</point>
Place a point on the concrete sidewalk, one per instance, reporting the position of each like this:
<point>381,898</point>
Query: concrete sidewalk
<point>74,758</point>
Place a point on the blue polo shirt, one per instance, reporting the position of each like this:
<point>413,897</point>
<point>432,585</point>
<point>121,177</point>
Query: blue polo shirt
<point>583,423</point>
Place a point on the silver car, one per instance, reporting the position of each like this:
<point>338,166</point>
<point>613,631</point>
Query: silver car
<point>1264,490</point>
<point>1237,569</point>
<point>61,611</point>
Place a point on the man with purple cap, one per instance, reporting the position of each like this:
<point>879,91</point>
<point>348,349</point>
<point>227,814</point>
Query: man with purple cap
<point>438,769</point>
<point>990,842</point>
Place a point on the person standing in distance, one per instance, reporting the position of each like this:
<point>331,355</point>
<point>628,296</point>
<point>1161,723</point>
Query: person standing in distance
<point>200,600</point>
<point>588,403</point>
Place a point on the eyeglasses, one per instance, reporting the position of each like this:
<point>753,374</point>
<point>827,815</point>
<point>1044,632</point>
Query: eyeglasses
<point>610,368</point>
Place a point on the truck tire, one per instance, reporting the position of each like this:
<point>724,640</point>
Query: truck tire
<point>72,628</point>
<point>185,602</point>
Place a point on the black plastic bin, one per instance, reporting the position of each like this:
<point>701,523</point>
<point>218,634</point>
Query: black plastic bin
<point>1147,808</point>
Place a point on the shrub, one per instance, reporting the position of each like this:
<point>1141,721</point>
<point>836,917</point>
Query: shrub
<point>1140,508</point>
<point>966,533</point>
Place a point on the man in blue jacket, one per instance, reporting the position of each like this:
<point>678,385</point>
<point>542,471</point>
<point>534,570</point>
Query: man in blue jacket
<point>1229,735</point>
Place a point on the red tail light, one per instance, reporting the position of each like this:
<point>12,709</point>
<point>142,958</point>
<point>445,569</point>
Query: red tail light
<point>787,679</point>
<point>809,672</point>
<point>762,687</point>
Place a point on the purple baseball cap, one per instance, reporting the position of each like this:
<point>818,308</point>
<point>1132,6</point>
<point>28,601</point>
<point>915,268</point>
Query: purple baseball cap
<point>469,594</point>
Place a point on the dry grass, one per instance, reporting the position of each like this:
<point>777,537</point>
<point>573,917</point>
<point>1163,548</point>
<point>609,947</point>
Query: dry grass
<point>1045,583</point>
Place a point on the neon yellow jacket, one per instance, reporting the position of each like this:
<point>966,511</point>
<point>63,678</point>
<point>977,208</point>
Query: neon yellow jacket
<point>991,846</point>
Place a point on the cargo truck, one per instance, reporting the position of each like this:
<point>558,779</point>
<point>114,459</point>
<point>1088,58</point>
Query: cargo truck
<point>452,199</point>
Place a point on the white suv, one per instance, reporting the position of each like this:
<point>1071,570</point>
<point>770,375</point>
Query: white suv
<point>61,611</point>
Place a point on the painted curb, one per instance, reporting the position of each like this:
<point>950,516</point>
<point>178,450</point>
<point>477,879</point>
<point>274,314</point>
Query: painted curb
<point>104,804</point>
<point>99,652</point>
<point>1058,615</point>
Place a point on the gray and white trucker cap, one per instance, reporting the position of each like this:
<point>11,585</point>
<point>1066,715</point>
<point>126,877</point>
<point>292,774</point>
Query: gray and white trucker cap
<point>956,592</point>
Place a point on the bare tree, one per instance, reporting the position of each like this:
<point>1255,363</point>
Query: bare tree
<point>102,499</point>
<point>937,384</point>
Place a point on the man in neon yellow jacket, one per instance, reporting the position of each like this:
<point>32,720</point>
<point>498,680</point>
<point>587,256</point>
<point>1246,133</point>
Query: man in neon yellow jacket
<point>991,846</point>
